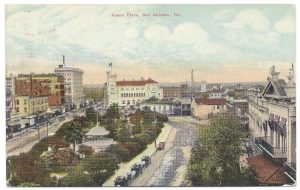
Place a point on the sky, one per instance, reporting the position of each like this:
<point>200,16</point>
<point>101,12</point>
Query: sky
<point>221,43</point>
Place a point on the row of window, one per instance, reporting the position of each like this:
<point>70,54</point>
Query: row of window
<point>132,89</point>
<point>133,94</point>
<point>133,102</point>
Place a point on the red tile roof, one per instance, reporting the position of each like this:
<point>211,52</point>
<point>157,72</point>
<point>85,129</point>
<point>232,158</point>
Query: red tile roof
<point>267,171</point>
<point>135,82</point>
<point>210,101</point>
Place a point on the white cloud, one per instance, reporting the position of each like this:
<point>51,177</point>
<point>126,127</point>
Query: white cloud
<point>270,37</point>
<point>132,33</point>
<point>189,32</point>
<point>157,33</point>
<point>250,18</point>
<point>286,25</point>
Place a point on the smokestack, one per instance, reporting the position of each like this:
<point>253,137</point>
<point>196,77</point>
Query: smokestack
<point>64,60</point>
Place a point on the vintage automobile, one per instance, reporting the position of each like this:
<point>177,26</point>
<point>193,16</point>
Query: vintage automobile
<point>121,181</point>
<point>137,167</point>
<point>146,159</point>
<point>161,146</point>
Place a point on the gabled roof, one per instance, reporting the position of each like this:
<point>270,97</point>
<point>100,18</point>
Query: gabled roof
<point>135,82</point>
<point>212,101</point>
<point>267,171</point>
<point>277,86</point>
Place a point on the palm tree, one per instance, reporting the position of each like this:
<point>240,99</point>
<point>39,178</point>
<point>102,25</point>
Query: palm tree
<point>73,134</point>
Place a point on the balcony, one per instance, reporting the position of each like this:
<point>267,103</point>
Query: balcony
<point>265,144</point>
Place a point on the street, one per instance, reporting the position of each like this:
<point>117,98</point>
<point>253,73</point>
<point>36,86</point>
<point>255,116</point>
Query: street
<point>168,166</point>
<point>25,141</point>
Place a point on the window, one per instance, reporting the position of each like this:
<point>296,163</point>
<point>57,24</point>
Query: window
<point>217,107</point>
<point>18,102</point>
<point>128,102</point>
<point>123,101</point>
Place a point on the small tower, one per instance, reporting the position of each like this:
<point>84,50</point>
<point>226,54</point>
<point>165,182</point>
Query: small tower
<point>273,74</point>
<point>111,88</point>
<point>291,77</point>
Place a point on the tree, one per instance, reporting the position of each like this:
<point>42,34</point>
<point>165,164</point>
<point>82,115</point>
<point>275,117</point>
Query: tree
<point>112,113</point>
<point>119,151</point>
<point>91,115</point>
<point>28,169</point>
<point>100,166</point>
<point>216,161</point>
<point>123,134</point>
<point>73,134</point>
<point>85,150</point>
<point>47,159</point>
<point>77,178</point>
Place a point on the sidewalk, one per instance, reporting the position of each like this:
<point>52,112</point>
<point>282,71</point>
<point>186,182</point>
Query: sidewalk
<point>125,167</point>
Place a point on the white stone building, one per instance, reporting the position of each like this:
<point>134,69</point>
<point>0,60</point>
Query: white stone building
<point>163,106</point>
<point>273,120</point>
<point>127,93</point>
<point>73,84</point>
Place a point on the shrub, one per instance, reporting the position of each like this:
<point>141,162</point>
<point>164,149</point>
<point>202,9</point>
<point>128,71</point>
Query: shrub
<point>65,157</point>
<point>120,151</point>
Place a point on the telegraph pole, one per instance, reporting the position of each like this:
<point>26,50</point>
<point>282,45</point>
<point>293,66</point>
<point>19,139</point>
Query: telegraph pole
<point>192,84</point>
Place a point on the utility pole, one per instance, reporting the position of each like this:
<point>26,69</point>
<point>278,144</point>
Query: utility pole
<point>47,128</point>
<point>38,128</point>
<point>154,128</point>
<point>192,85</point>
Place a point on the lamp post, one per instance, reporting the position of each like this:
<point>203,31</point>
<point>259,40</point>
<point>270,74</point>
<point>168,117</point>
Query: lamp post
<point>38,128</point>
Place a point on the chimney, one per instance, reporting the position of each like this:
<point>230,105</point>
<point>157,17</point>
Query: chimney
<point>64,60</point>
<point>142,78</point>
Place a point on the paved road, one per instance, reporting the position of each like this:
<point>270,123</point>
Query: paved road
<point>25,141</point>
<point>168,167</point>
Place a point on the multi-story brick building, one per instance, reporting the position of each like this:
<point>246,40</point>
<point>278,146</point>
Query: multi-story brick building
<point>39,85</point>
<point>26,105</point>
<point>10,94</point>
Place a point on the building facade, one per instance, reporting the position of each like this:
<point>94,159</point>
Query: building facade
<point>130,93</point>
<point>40,85</point>
<point>163,106</point>
<point>179,91</point>
<point>73,86</point>
<point>10,94</point>
<point>273,120</point>
<point>204,108</point>
<point>26,105</point>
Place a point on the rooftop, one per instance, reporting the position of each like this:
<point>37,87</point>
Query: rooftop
<point>97,131</point>
<point>213,101</point>
<point>136,82</point>
<point>267,171</point>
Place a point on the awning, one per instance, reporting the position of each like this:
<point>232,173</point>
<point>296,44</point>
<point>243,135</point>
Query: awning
<point>267,171</point>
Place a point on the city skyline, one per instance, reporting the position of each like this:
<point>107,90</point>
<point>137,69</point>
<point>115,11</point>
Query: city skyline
<point>221,43</point>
